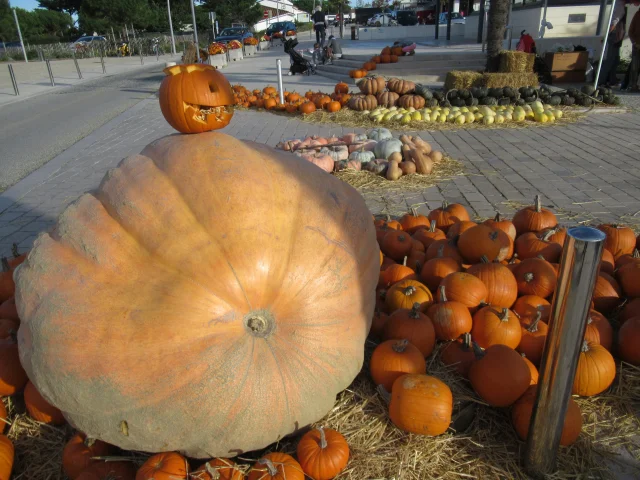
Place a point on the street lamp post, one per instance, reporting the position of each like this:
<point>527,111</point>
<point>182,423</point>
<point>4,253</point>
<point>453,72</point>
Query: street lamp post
<point>24,52</point>
<point>173,41</point>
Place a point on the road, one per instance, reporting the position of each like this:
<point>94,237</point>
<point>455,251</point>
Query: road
<point>35,130</point>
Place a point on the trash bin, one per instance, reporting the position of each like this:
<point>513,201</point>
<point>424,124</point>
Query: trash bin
<point>354,32</point>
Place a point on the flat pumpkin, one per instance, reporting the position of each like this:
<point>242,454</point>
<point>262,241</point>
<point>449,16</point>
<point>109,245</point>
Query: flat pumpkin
<point>195,98</point>
<point>282,290</point>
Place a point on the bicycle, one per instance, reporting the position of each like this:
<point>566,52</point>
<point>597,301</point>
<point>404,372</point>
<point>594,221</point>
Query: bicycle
<point>156,49</point>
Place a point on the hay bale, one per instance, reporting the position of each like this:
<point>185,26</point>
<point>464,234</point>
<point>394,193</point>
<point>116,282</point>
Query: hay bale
<point>516,62</point>
<point>459,79</point>
<point>514,80</point>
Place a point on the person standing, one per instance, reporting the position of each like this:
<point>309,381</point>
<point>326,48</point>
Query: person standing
<point>319,25</point>
<point>631,78</point>
<point>614,43</point>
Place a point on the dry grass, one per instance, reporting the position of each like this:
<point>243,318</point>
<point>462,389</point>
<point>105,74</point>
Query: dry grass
<point>460,79</point>
<point>372,185</point>
<point>514,80</point>
<point>485,445</point>
<point>351,118</point>
<point>512,61</point>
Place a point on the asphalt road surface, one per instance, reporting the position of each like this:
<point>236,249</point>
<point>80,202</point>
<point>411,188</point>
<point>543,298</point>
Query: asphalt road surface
<point>35,130</point>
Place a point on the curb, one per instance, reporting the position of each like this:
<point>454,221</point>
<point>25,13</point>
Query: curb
<point>24,186</point>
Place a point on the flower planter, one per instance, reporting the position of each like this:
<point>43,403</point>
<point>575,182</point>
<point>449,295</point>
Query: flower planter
<point>218,61</point>
<point>249,50</point>
<point>235,55</point>
<point>264,45</point>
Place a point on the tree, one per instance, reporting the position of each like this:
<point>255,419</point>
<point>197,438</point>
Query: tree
<point>230,11</point>
<point>72,7</point>
<point>496,26</point>
<point>8,30</point>
<point>304,5</point>
<point>101,15</point>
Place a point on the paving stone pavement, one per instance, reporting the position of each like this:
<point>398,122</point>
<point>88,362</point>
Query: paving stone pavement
<point>588,170</point>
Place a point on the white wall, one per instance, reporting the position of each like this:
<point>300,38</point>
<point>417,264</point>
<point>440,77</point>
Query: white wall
<point>412,32</point>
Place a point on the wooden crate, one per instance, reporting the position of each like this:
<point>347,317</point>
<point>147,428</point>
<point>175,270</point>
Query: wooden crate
<point>576,76</point>
<point>567,61</point>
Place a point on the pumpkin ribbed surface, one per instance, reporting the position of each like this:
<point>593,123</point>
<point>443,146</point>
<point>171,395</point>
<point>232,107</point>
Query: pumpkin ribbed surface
<point>210,297</point>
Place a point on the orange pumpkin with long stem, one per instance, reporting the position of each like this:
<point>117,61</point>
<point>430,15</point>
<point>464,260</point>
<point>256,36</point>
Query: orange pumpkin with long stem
<point>323,453</point>
<point>533,339</point>
<point>534,218</point>
<point>460,354</point>
<point>492,326</point>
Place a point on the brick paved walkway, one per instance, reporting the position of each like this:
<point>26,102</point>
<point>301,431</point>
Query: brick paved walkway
<point>588,170</point>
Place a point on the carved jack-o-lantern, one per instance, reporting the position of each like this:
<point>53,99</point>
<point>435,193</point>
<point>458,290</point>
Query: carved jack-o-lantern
<point>196,98</point>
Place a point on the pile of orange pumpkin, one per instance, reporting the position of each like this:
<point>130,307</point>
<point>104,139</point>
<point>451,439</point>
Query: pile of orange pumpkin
<point>322,453</point>
<point>387,55</point>
<point>485,289</point>
<point>269,99</point>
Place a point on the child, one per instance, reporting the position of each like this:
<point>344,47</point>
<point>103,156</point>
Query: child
<point>317,55</point>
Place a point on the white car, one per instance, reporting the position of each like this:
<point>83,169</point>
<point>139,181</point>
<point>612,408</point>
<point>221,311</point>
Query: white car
<point>455,18</point>
<point>86,41</point>
<point>380,19</point>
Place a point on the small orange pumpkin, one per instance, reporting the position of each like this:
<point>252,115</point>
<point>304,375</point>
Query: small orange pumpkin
<point>39,409</point>
<point>218,469</point>
<point>358,73</point>
<point>323,453</point>
<point>368,66</point>
<point>276,466</point>
<point>394,358</point>
<point>332,106</point>
<point>164,466</point>
<point>306,108</point>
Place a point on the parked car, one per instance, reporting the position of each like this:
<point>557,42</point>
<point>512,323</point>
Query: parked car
<point>280,26</point>
<point>455,18</point>
<point>86,41</point>
<point>233,33</point>
<point>381,19</point>
<point>406,18</point>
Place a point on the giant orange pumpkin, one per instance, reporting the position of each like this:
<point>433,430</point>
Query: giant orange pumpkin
<point>229,300</point>
<point>196,98</point>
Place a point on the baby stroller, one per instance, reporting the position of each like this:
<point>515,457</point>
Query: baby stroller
<point>299,64</point>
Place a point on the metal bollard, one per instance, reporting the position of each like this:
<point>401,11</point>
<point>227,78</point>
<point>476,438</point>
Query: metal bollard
<point>280,90</point>
<point>75,60</point>
<point>13,80</point>
<point>157,53</point>
<point>141,58</point>
<point>569,311</point>
<point>104,68</point>
<point>53,82</point>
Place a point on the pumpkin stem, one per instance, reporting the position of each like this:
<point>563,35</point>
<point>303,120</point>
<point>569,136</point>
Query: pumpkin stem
<point>466,341</point>
<point>410,290</point>
<point>386,396</point>
<point>585,347</point>
<point>213,472</point>
<point>404,262</point>
<point>273,471</point>
<point>636,253</point>
<point>400,346</point>
<point>498,218</point>
<point>88,441</point>
<point>414,212</point>
<point>538,203</point>
<point>443,297</point>
<point>323,438</point>
<point>504,315</point>
<point>415,310</point>
<point>445,204</point>
<point>484,259</point>
<point>534,325</point>
<point>5,265</point>
<point>432,226</point>
<point>513,259</point>
<point>14,250</point>
<point>477,351</point>
<point>528,277</point>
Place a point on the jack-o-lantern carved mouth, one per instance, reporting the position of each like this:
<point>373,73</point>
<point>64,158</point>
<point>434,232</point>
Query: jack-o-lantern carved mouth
<point>202,112</point>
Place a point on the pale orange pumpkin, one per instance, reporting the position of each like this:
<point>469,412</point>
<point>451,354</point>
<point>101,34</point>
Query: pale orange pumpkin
<point>155,255</point>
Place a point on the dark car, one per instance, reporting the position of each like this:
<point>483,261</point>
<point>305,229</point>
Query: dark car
<point>280,26</point>
<point>233,33</point>
<point>406,18</point>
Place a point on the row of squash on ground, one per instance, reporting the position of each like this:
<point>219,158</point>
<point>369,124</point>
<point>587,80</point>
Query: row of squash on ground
<point>377,152</point>
<point>494,315</point>
<point>321,453</point>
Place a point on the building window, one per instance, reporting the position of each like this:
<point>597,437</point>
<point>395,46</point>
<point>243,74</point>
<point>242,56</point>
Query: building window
<point>577,18</point>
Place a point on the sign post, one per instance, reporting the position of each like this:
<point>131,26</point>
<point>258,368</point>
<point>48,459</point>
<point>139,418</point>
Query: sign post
<point>212,17</point>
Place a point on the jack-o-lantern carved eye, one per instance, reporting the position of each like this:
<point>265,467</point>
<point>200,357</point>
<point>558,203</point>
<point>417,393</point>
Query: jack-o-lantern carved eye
<point>196,98</point>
